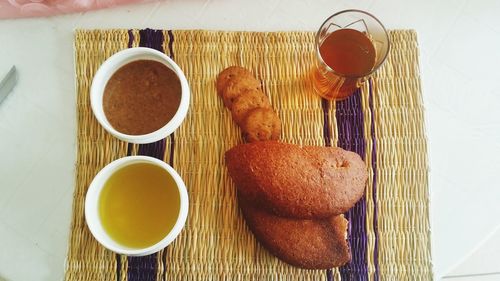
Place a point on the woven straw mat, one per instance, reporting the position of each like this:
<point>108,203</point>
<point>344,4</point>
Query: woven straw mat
<point>389,232</point>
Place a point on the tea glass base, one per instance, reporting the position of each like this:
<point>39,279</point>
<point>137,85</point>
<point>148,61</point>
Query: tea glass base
<point>332,87</point>
<point>334,95</point>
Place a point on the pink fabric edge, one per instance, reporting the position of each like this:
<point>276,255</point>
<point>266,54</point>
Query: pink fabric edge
<point>12,9</point>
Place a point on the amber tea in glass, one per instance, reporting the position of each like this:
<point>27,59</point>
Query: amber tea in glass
<point>350,45</point>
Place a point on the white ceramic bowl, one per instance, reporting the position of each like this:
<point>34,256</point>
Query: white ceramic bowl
<point>92,207</point>
<point>115,62</point>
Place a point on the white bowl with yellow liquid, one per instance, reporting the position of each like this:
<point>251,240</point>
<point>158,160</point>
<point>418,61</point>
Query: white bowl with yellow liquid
<point>136,205</point>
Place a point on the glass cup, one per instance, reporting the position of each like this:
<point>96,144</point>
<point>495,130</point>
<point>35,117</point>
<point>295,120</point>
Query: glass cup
<point>334,82</point>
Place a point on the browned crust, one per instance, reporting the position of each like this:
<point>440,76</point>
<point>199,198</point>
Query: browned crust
<point>261,124</point>
<point>236,86</point>
<point>299,182</point>
<point>310,244</point>
<point>247,101</point>
<point>228,73</point>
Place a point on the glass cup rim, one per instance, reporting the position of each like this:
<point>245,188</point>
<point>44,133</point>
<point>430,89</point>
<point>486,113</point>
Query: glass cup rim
<point>352,76</point>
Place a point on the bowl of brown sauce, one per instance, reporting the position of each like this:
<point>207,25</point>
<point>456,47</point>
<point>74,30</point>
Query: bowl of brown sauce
<point>140,95</point>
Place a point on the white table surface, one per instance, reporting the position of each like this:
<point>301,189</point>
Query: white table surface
<point>460,54</point>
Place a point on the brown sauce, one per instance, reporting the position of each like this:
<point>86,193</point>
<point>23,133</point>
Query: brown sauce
<point>141,97</point>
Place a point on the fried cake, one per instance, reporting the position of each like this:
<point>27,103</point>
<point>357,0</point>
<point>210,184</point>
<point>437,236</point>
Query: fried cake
<point>305,243</point>
<point>299,182</point>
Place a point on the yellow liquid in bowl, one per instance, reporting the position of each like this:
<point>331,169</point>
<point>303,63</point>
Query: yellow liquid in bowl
<point>139,205</point>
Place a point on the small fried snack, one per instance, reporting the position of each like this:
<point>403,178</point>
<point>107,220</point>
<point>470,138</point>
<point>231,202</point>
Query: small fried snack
<point>247,101</point>
<point>229,73</point>
<point>236,86</point>
<point>261,124</point>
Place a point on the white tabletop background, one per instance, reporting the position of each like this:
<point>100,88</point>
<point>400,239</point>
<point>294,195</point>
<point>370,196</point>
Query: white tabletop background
<point>460,58</point>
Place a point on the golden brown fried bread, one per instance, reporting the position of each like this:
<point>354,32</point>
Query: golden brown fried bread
<point>311,244</point>
<point>299,182</point>
<point>261,124</point>
<point>229,73</point>
<point>247,101</point>
<point>236,86</point>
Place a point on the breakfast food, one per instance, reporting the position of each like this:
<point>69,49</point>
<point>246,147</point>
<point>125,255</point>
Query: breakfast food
<point>141,97</point>
<point>261,124</point>
<point>299,182</point>
<point>236,86</point>
<point>292,197</point>
<point>312,244</point>
<point>229,73</point>
<point>247,101</point>
<point>250,107</point>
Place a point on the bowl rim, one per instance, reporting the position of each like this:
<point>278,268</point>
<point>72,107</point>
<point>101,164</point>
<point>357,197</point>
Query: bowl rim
<point>92,197</point>
<point>113,64</point>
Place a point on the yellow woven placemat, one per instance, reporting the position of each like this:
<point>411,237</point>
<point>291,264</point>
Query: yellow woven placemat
<point>389,228</point>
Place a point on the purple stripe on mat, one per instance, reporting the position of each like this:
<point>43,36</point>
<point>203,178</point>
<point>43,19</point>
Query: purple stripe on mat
<point>327,134</point>
<point>374,184</point>
<point>151,38</point>
<point>118,267</point>
<point>129,149</point>
<point>171,44</point>
<point>130,38</point>
<point>142,268</point>
<point>329,275</point>
<point>145,268</point>
<point>172,56</point>
<point>350,129</point>
<point>155,149</point>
